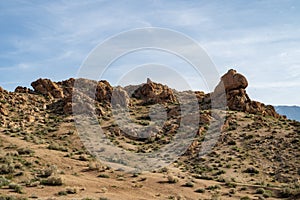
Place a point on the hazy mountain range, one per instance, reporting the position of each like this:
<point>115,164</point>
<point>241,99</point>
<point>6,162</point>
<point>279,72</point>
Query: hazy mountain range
<point>292,112</point>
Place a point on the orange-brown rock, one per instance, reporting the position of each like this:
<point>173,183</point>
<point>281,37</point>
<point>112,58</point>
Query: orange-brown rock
<point>120,97</point>
<point>3,110</point>
<point>67,86</point>
<point>231,81</point>
<point>152,93</point>
<point>21,89</point>
<point>47,87</point>
<point>232,89</point>
<point>104,91</point>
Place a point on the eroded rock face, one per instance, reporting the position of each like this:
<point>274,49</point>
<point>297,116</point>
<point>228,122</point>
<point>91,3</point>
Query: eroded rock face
<point>232,87</point>
<point>21,89</point>
<point>120,97</point>
<point>3,110</point>
<point>67,86</point>
<point>86,91</point>
<point>231,81</point>
<point>47,87</point>
<point>104,91</point>
<point>152,93</point>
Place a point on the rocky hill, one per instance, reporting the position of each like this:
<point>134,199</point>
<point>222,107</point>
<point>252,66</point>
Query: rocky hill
<point>43,156</point>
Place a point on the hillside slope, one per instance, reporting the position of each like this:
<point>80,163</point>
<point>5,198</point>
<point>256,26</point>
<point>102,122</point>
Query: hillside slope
<point>42,155</point>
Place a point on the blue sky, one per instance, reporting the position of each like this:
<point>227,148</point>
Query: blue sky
<point>51,39</point>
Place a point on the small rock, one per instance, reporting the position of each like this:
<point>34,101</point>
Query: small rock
<point>3,110</point>
<point>30,118</point>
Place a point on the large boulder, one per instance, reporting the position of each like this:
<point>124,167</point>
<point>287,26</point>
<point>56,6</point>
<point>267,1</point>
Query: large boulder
<point>232,88</point>
<point>47,87</point>
<point>120,97</point>
<point>21,89</point>
<point>152,93</point>
<point>67,86</point>
<point>231,81</point>
<point>81,99</point>
<point>104,91</point>
<point>3,110</point>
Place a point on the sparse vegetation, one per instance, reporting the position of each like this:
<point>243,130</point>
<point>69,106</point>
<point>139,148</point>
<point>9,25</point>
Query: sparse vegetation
<point>40,148</point>
<point>52,181</point>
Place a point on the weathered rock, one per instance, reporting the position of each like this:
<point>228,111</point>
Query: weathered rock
<point>81,99</point>
<point>21,89</point>
<point>30,118</point>
<point>232,89</point>
<point>152,93</point>
<point>1,89</point>
<point>238,100</point>
<point>120,97</point>
<point>104,91</point>
<point>3,110</point>
<point>67,86</point>
<point>231,81</point>
<point>47,87</point>
<point>67,108</point>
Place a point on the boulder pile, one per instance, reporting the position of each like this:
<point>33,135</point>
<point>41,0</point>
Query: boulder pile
<point>232,87</point>
<point>152,93</point>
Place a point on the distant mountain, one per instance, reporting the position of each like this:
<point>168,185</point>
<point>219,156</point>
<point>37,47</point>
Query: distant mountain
<point>292,112</point>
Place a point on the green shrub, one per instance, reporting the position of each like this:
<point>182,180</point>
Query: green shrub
<point>52,181</point>
<point>245,198</point>
<point>231,184</point>
<point>213,187</point>
<point>251,170</point>
<point>267,194</point>
<point>4,181</point>
<point>172,179</point>
<point>188,184</point>
<point>16,187</point>
<point>200,190</point>
<point>260,191</point>
<point>103,176</point>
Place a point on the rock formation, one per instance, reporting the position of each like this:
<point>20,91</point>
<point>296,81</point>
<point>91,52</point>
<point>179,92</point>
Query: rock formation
<point>120,97</point>
<point>67,86</point>
<point>152,93</point>
<point>232,88</point>
<point>231,81</point>
<point>47,87</point>
<point>21,89</point>
<point>104,91</point>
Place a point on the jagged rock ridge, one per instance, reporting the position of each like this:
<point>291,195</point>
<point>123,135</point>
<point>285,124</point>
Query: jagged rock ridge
<point>232,88</point>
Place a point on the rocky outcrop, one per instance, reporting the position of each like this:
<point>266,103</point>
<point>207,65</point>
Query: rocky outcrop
<point>86,91</point>
<point>152,93</point>
<point>120,97</point>
<point>21,89</point>
<point>67,86</point>
<point>104,91</point>
<point>231,81</point>
<point>47,87</point>
<point>232,88</point>
<point>3,110</point>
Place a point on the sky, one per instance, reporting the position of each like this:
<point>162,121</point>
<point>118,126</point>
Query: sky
<point>53,39</point>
